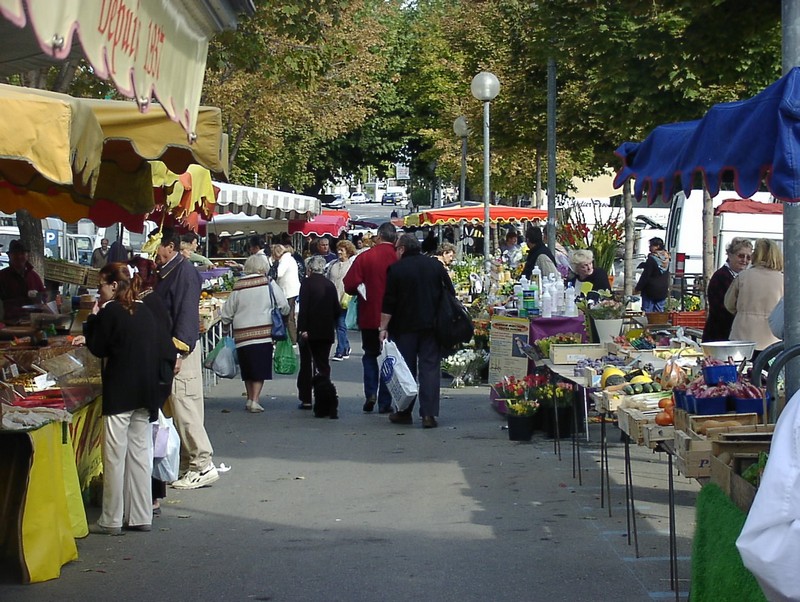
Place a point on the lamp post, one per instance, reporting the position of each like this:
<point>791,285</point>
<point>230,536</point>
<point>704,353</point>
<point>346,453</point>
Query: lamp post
<point>485,87</point>
<point>462,131</point>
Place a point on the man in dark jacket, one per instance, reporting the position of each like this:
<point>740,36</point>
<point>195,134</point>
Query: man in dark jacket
<point>316,327</point>
<point>179,286</point>
<point>414,286</point>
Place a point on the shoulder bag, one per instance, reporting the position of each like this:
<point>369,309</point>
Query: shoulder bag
<point>278,325</point>
<point>453,322</point>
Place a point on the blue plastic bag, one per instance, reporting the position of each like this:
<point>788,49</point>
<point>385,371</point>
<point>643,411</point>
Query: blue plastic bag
<point>351,317</point>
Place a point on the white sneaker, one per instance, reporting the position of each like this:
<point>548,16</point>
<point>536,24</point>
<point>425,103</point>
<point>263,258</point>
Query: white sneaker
<point>254,407</point>
<point>194,479</point>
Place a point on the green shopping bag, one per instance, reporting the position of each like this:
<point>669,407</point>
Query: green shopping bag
<point>284,360</point>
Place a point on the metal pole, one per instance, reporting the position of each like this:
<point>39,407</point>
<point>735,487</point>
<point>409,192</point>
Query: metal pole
<point>790,24</point>
<point>462,191</point>
<point>551,154</point>
<point>486,196</point>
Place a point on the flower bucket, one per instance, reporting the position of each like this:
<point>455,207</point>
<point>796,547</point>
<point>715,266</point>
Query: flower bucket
<point>608,329</point>
<point>520,428</point>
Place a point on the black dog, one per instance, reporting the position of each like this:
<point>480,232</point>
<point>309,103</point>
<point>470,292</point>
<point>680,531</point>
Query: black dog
<point>326,400</point>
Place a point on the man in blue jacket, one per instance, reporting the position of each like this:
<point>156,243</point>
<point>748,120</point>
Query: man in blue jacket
<point>179,286</point>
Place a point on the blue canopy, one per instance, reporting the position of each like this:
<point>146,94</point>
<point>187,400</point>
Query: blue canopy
<point>755,139</point>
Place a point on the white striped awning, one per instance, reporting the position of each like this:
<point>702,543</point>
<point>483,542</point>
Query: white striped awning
<point>265,203</point>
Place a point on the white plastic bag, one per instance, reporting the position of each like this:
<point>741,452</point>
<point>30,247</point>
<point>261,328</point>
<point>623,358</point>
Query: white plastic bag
<point>225,364</point>
<point>769,543</point>
<point>397,377</point>
<point>166,468</point>
<point>160,436</point>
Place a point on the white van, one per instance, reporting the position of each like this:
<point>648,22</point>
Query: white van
<point>684,239</point>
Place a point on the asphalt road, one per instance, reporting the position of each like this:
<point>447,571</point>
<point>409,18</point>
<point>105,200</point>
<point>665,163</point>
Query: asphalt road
<point>357,509</point>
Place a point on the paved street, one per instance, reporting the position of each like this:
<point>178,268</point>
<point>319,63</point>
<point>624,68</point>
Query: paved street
<point>357,509</point>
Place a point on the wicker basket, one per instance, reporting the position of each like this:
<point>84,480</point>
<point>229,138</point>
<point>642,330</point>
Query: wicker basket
<point>92,277</point>
<point>690,319</point>
<point>62,271</point>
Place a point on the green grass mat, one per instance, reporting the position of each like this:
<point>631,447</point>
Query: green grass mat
<point>718,574</point>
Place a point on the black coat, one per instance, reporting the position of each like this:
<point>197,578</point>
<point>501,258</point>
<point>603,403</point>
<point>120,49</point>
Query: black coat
<point>166,349</point>
<point>653,283</point>
<point>533,255</point>
<point>128,344</point>
<point>319,308</point>
<point>413,288</point>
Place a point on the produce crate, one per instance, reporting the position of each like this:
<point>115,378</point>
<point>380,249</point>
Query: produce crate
<point>653,434</point>
<point>730,481</point>
<point>694,451</point>
<point>62,271</point>
<point>632,423</point>
<point>690,319</point>
<point>92,277</point>
<point>570,354</point>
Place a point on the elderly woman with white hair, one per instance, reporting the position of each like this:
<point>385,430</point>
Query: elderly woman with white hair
<point>249,309</point>
<point>316,327</point>
<point>582,263</point>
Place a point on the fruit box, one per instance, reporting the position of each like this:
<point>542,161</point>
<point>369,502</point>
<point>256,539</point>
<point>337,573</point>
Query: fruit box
<point>727,477</point>
<point>653,434</point>
<point>570,354</point>
<point>694,451</point>
<point>632,423</point>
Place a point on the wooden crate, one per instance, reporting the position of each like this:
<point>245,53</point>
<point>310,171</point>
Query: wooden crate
<point>653,434</point>
<point>738,490</point>
<point>570,354</point>
<point>92,277</point>
<point>632,423</point>
<point>62,271</point>
<point>694,451</point>
<point>696,420</point>
<point>692,319</point>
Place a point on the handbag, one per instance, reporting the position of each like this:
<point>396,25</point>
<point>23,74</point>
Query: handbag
<point>284,360</point>
<point>453,323</point>
<point>278,325</point>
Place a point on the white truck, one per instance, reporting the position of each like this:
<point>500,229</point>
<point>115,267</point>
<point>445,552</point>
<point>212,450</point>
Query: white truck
<point>684,236</point>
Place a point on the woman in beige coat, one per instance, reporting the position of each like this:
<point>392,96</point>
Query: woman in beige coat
<point>755,293</point>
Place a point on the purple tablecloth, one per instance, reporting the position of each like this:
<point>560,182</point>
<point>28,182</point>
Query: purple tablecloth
<point>546,327</point>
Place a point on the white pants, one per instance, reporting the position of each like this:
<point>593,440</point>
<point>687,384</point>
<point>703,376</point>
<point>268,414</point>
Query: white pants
<point>127,466</point>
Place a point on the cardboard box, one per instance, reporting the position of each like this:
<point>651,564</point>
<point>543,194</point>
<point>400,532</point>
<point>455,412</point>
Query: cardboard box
<point>570,354</point>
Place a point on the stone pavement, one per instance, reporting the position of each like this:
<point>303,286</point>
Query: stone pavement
<point>358,509</point>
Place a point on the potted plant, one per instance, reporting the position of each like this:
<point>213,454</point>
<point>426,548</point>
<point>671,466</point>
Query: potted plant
<point>557,409</point>
<point>520,414</point>
<point>603,316</point>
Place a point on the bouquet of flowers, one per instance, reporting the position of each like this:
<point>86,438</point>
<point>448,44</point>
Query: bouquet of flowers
<point>519,389</point>
<point>606,307</point>
<point>465,366</point>
<point>522,407</point>
<point>559,395</point>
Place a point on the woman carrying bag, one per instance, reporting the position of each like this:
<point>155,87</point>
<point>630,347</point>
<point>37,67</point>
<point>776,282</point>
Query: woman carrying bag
<point>249,310</point>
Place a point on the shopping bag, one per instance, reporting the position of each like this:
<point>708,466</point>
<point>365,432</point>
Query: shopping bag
<point>351,317</point>
<point>345,300</point>
<point>160,435</point>
<point>209,361</point>
<point>166,468</point>
<point>397,377</point>
<point>278,325</point>
<point>225,364</point>
<point>285,360</point>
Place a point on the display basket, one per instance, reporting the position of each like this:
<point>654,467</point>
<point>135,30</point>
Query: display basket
<point>62,271</point>
<point>690,319</point>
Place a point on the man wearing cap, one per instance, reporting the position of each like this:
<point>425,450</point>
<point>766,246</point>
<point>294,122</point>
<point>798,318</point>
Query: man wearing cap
<point>19,283</point>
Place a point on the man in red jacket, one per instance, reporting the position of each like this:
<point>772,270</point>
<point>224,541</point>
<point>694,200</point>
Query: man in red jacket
<point>369,269</point>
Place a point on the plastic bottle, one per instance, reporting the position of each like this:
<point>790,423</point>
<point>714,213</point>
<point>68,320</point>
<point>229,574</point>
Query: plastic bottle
<point>559,297</point>
<point>569,297</point>
<point>536,277</point>
<point>547,303</point>
<point>533,299</point>
<point>520,301</point>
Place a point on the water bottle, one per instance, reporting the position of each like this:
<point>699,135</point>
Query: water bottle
<point>547,304</point>
<point>569,298</point>
<point>536,277</point>
<point>559,297</point>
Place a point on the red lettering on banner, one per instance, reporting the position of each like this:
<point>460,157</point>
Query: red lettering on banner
<point>155,43</point>
<point>121,27</point>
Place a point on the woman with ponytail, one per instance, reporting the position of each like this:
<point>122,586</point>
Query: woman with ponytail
<point>124,333</point>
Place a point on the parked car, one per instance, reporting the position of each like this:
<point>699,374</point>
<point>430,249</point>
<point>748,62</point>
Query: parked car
<point>332,201</point>
<point>390,198</point>
<point>359,197</point>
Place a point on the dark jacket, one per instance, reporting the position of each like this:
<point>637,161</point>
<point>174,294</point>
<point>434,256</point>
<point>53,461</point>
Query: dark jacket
<point>413,288</point>
<point>719,320</point>
<point>319,308</point>
<point>653,283</point>
<point>533,255</point>
<point>128,343</point>
<point>166,349</point>
<point>598,278</point>
<point>179,287</point>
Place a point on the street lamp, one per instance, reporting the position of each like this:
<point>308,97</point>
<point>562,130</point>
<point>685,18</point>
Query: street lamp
<point>485,87</point>
<point>462,131</point>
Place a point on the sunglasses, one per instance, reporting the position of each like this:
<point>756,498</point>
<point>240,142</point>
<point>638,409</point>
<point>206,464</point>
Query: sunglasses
<point>744,256</point>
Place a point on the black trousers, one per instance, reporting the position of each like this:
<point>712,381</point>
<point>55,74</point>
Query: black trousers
<point>314,359</point>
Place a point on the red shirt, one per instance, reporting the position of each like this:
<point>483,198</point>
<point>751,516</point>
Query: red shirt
<point>369,268</point>
<point>14,289</point>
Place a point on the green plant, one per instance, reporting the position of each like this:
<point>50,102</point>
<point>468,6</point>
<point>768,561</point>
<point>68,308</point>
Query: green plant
<point>559,395</point>
<point>521,407</point>
<point>605,307</point>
